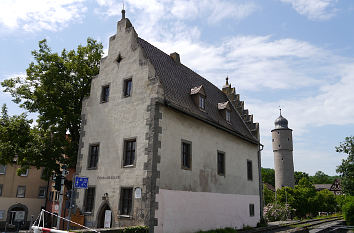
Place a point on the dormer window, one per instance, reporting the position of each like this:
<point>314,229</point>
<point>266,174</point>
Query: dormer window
<point>225,111</point>
<point>198,96</point>
<point>201,102</point>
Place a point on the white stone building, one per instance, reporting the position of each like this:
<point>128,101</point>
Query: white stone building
<point>164,147</point>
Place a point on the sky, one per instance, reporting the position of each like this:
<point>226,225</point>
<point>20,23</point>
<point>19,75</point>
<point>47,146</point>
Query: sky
<point>296,54</point>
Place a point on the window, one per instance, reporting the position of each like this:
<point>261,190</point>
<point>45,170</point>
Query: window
<point>93,156</point>
<point>89,199</point>
<point>56,196</point>
<point>0,190</point>
<point>127,87</point>
<point>42,191</point>
<point>2,169</point>
<point>186,155</point>
<point>249,170</point>
<point>25,173</point>
<point>51,196</point>
<point>221,163</point>
<point>251,207</point>
<point>105,94</point>
<point>21,190</point>
<point>201,102</point>
<point>129,152</point>
<point>126,201</point>
<point>228,116</point>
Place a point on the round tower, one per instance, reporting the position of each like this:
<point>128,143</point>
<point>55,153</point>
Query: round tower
<point>283,153</point>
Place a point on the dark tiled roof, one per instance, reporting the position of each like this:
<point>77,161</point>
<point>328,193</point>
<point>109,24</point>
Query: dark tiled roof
<point>322,186</point>
<point>178,80</point>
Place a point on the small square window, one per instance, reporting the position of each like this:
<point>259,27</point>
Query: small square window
<point>89,199</point>
<point>2,169</point>
<point>249,170</point>
<point>201,102</point>
<point>93,156</point>
<point>251,208</point>
<point>105,94</point>
<point>0,190</point>
<point>42,191</point>
<point>129,152</point>
<point>21,191</point>
<point>186,156</point>
<point>126,201</point>
<point>25,173</point>
<point>228,116</point>
<point>127,87</point>
<point>221,163</point>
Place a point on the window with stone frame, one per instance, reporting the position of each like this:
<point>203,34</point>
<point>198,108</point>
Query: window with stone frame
<point>186,155</point>
<point>89,199</point>
<point>126,201</point>
<point>2,169</point>
<point>93,156</point>
<point>42,192</point>
<point>127,87</point>
<point>251,210</point>
<point>105,94</point>
<point>21,191</point>
<point>249,170</point>
<point>129,152</point>
<point>221,163</point>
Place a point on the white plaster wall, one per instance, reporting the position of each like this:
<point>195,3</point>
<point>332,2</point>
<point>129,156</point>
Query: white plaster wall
<point>186,212</point>
<point>206,141</point>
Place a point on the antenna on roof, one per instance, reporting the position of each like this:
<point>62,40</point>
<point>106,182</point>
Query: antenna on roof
<point>123,11</point>
<point>279,110</point>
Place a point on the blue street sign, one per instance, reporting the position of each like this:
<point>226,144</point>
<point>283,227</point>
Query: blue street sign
<point>81,182</point>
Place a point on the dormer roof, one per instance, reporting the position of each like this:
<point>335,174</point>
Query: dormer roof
<point>224,106</point>
<point>198,90</point>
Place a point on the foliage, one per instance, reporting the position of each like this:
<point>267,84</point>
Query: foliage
<point>322,178</point>
<point>348,212</point>
<point>277,212</point>
<point>324,201</point>
<point>224,230</point>
<point>342,199</point>
<point>137,229</point>
<point>298,175</point>
<point>54,87</point>
<point>268,195</point>
<point>268,176</point>
<point>346,169</point>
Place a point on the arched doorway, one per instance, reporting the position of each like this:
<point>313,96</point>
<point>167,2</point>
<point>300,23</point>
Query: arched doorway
<point>103,213</point>
<point>17,216</point>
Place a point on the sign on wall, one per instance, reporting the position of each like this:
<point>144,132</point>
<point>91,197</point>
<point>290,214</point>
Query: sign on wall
<point>19,216</point>
<point>138,193</point>
<point>107,218</point>
<point>81,182</point>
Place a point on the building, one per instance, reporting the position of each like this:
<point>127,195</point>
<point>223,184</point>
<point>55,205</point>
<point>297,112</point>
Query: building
<point>21,197</point>
<point>164,147</point>
<point>282,143</point>
<point>335,187</point>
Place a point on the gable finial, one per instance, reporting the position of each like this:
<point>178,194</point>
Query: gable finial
<point>227,80</point>
<point>123,11</point>
<point>279,110</point>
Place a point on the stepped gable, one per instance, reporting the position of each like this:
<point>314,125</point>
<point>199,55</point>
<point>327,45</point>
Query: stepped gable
<point>177,81</point>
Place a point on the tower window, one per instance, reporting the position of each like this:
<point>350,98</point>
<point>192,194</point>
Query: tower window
<point>288,139</point>
<point>221,163</point>
<point>129,152</point>
<point>89,199</point>
<point>273,140</point>
<point>119,58</point>
<point>105,94</point>
<point>126,201</point>
<point>127,87</point>
<point>186,156</point>
<point>93,156</point>
<point>251,208</point>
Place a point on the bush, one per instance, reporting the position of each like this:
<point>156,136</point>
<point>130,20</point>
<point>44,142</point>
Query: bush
<point>277,212</point>
<point>348,212</point>
<point>225,230</point>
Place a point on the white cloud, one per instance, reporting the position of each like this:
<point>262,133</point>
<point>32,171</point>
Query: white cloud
<point>314,9</point>
<point>36,15</point>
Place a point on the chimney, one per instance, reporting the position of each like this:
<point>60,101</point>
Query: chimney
<point>175,57</point>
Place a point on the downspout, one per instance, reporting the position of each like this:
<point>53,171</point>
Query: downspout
<point>260,148</point>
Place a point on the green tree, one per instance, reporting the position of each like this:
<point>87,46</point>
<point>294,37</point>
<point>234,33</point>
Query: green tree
<point>346,169</point>
<point>324,201</point>
<point>54,87</point>
<point>268,195</point>
<point>299,175</point>
<point>268,176</point>
<point>321,178</point>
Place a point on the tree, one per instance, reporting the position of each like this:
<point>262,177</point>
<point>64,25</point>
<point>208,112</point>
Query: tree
<point>299,175</point>
<point>268,195</point>
<point>321,178</point>
<point>268,176</point>
<point>54,87</point>
<point>346,169</point>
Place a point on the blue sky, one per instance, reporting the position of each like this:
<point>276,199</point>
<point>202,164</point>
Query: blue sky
<point>297,54</point>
